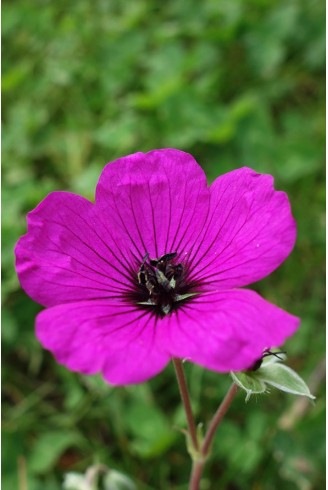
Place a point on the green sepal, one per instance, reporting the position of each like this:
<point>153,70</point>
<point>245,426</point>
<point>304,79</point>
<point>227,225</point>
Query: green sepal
<point>250,382</point>
<point>271,373</point>
<point>285,379</point>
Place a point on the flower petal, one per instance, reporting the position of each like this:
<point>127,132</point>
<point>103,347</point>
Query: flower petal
<point>249,232</point>
<point>158,200</point>
<point>68,254</point>
<point>227,330</point>
<point>101,336</point>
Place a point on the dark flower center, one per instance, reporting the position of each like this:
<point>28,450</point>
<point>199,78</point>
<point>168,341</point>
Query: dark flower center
<point>162,284</point>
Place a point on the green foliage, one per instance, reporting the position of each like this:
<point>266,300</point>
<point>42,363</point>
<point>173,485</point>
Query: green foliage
<point>234,83</point>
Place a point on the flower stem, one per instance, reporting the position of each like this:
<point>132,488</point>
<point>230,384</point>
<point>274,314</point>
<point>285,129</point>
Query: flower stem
<point>198,465</point>
<point>196,474</point>
<point>216,420</point>
<point>200,454</point>
<point>186,402</point>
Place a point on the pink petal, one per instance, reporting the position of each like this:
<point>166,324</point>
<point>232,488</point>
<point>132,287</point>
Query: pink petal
<point>98,336</point>
<point>249,232</point>
<point>227,330</point>
<point>68,253</point>
<point>157,200</point>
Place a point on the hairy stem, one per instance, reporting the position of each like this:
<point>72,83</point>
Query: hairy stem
<point>198,465</point>
<point>216,420</point>
<point>186,402</point>
<point>200,453</point>
<point>196,474</point>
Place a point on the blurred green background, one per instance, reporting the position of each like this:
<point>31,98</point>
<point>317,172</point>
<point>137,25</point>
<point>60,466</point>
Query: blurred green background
<point>232,82</point>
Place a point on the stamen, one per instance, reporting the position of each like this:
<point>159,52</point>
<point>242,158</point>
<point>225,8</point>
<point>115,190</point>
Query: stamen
<point>162,284</point>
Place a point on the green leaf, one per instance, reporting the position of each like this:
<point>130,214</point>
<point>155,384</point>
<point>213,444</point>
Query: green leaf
<point>152,434</point>
<point>48,448</point>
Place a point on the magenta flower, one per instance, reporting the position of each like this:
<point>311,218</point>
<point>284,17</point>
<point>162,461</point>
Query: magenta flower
<point>150,270</point>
